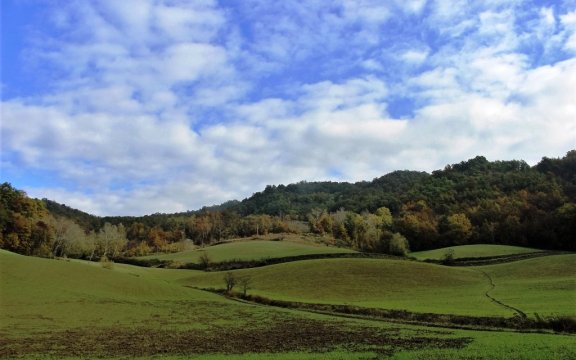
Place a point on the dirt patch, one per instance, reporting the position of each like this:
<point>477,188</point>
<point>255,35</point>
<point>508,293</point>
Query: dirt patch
<point>289,335</point>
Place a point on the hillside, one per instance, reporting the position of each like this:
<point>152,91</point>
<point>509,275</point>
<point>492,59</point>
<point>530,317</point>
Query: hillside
<point>545,285</point>
<point>245,250</point>
<point>472,251</point>
<point>77,309</point>
<point>472,202</point>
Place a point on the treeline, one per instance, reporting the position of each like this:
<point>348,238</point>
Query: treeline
<point>365,232</point>
<point>167,234</point>
<point>45,228</point>
<point>475,201</point>
<point>28,228</point>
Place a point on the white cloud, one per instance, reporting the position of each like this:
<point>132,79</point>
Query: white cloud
<point>366,11</point>
<point>568,21</point>
<point>415,56</point>
<point>178,105</point>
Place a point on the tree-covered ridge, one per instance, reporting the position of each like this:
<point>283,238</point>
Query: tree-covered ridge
<point>474,201</point>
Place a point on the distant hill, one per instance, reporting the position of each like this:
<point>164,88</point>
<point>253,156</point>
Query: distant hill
<point>469,181</point>
<point>87,221</point>
<point>299,199</point>
<point>472,202</point>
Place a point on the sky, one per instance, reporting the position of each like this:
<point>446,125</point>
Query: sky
<point>135,107</point>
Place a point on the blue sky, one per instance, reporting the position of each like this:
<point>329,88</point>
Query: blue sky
<point>133,107</point>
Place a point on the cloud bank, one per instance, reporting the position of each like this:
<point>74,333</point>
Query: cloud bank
<point>165,106</point>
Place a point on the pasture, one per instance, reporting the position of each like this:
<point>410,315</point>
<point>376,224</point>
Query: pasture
<point>381,283</point>
<point>544,285</point>
<point>254,249</point>
<point>472,251</point>
<point>77,309</point>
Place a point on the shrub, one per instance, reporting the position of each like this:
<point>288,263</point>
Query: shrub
<point>448,257</point>
<point>398,245</point>
<point>205,261</point>
<point>106,263</point>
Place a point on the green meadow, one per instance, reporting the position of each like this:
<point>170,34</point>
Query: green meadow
<point>253,249</point>
<point>381,283</point>
<point>544,285</point>
<point>77,309</point>
<point>472,251</point>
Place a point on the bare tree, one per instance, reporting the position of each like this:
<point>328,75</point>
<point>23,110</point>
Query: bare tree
<point>230,281</point>
<point>205,260</point>
<point>92,244</point>
<point>244,282</point>
<point>68,237</point>
<point>448,257</point>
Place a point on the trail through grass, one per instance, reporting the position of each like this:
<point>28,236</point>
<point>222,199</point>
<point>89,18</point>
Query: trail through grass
<point>545,285</point>
<point>492,286</point>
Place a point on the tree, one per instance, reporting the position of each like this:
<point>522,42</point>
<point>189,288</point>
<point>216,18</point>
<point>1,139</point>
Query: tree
<point>75,242</point>
<point>119,240</point>
<point>205,260</point>
<point>455,229</point>
<point>244,282</point>
<point>386,219</point>
<point>111,240</point>
<point>319,221</point>
<point>157,238</point>
<point>92,241</point>
<point>229,281</point>
<point>339,230</point>
<point>374,225</point>
<point>204,226</point>
<point>448,257</point>
<point>419,225</point>
<point>398,245</point>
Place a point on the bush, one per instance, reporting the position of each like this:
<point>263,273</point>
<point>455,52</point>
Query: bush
<point>448,257</point>
<point>205,261</point>
<point>398,245</point>
<point>106,263</point>
<point>563,324</point>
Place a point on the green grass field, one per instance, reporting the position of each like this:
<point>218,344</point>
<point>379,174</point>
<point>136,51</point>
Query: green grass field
<point>251,250</point>
<point>76,309</point>
<point>544,285</point>
<point>472,251</point>
<point>381,283</point>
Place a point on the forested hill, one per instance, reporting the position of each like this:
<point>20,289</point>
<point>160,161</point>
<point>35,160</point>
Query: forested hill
<point>475,201</point>
<point>299,199</point>
<point>457,187</point>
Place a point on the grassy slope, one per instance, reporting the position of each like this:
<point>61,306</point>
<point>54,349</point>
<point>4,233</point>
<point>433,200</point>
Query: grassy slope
<point>79,309</point>
<point>250,250</point>
<point>40,293</point>
<point>47,306</point>
<point>545,285</point>
<point>465,251</point>
<point>389,284</point>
